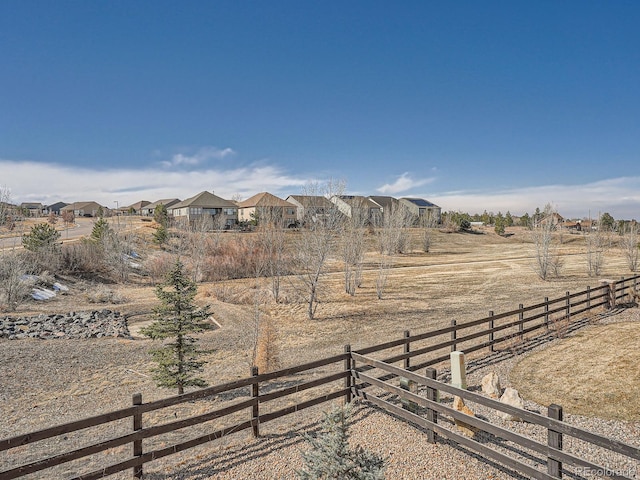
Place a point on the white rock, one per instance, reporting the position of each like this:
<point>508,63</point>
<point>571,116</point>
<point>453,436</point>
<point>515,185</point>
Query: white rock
<point>513,398</point>
<point>491,385</point>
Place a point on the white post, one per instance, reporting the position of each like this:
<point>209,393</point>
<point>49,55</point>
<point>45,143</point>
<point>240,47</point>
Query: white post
<point>458,370</point>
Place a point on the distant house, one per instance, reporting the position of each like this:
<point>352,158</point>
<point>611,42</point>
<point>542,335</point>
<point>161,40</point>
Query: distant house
<point>267,207</point>
<point>314,207</point>
<point>56,207</point>
<point>387,204</point>
<point>148,210</point>
<point>32,209</point>
<point>205,205</point>
<point>84,209</point>
<point>555,220</point>
<point>135,209</point>
<point>354,206</point>
<point>422,208</point>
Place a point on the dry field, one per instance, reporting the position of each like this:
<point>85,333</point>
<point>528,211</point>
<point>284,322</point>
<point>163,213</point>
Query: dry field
<point>45,383</point>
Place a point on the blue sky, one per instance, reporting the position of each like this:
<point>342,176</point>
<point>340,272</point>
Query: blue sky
<point>497,105</point>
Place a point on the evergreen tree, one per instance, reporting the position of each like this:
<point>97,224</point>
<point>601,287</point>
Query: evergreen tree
<point>160,215</point>
<point>101,230</point>
<point>161,235</point>
<point>525,220</point>
<point>508,219</point>
<point>177,318</point>
<point>331,458</point>
<point>42,236</point>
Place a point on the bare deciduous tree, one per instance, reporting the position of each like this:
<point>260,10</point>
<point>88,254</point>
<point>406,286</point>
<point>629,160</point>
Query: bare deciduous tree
<point>542,236</point>
<point>5,205</point>
<point>597,242</point>
<point>317,241</point>
<point>393,234</point>
<point>383,275</point>
<point>427,223</point>
<point>353,247</point>
<point>631,246</point>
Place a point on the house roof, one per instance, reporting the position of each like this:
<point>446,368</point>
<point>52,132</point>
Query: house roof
<point>311,200</point>
<point>138,205</point>
<point>384,201</point>
<point>167,202</point>
<point>31,205</point>
<point>57,205</point>
<point>352,199</point>
<point>264,199</point>
<point>205,200</point>
<point>81,205</point>
<point>420,202</point>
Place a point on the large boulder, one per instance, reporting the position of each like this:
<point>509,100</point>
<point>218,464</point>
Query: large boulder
<point>491,385</point>
<point>513,398</point>
<point>465,428</point>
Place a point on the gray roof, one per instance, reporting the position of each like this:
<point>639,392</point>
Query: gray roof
<point>205,200</point>
<point>421,202</point>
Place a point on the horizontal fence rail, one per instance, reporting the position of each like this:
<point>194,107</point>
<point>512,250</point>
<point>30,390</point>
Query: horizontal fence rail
<point>496,331</point>
<point>552,453</point>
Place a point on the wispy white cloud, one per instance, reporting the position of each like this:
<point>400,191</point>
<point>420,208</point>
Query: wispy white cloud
<point>403,183</point>
<point>203,155</point>
<point>618,196</point>
<point>50,183</point>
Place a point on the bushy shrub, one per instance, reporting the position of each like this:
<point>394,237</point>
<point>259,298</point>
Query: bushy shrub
<point>103,294</point>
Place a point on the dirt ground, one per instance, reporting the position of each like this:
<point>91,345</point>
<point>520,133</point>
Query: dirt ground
<point>463,277</point>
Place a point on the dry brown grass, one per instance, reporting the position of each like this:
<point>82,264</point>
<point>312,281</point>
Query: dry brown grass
<point>594,372</point>
<point>463,277</point>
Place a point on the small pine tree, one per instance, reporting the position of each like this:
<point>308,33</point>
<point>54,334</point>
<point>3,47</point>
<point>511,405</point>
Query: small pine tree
<point>101,230</point>
<point>42,236</point>
<point>161,235</point>
<point>330,456</point>
<point>160,215</point>
<point>178,318</point>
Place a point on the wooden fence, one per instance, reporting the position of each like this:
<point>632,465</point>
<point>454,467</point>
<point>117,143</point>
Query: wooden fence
<point>550,453</point>
<point>492,332</point>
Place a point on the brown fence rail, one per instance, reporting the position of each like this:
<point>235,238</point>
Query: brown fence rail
<point>552,452</point>
<point>486,333</point>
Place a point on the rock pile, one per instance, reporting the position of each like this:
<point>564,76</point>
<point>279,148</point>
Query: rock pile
<point>94,324</point>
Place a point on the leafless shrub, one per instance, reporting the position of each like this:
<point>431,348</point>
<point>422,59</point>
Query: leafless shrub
<point>228,292</point>
<point>82,258</point>
<point>13,288</point>
<point>542,238</point>
<point>426,224</point>
<point>102,294</point>
<point>157,265</point>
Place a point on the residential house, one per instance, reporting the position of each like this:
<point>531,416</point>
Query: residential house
<point>205,205</point>
<point>32,209</point>
<point>56,207</point>
<point>267,207</point>
<point>356,206</point>
<point>387,204</point>
<point>422,209</point>
<point>148,210</point>
<point>314,207</point>
<point>555,220</point>
<point>136,208</point>
<point>84,209</point>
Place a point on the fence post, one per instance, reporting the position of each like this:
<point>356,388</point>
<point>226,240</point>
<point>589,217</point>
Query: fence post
<point>546,313</point>
<point>491,336</point>
<point>137,425</point>
<point>432,415</point>
<point>589,298</point>
<point>521,324</point>
<point>348,381</point>
<point>255,409</point>
<point>554,439</point>
<point>623,290</point>
<point>453,336</point>
<point>407,349</point>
